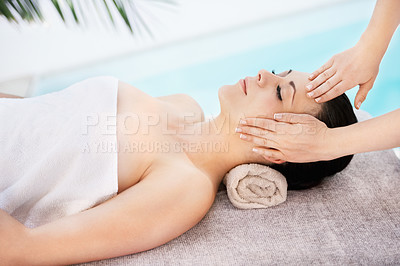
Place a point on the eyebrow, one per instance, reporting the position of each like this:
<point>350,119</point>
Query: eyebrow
<point>291,83</point>
<point>287,73</point>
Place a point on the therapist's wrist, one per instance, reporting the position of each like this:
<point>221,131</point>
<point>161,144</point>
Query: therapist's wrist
<point>369,47</point>
<point>374,42</point>
<point>335,145</point>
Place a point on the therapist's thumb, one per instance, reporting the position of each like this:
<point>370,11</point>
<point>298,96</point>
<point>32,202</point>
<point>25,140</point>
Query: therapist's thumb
<point>292,118</point>
<point>363,92</point>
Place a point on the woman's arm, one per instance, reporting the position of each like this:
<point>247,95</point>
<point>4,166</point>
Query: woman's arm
<point>303,138</point>
<point>147,215</point>
<point>13,239</point>
<point>358,65</point>
<point>5,95</point>
<point>380,133</point>
<point>383,23</point>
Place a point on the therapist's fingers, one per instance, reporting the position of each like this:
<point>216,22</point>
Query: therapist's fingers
<point>268,124</point>
<point>324,67</point>
<point>326,86</point>
<point>362,93</point>
<point>334,92</point>
<point>323,77</point>
<point>294,118</point>
<point>265,142</point>
<point>256,131</point>
<point>270,154</point>
<point>271,127</point>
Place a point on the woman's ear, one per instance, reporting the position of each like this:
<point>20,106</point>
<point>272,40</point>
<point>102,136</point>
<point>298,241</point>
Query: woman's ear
<point>277,161</point>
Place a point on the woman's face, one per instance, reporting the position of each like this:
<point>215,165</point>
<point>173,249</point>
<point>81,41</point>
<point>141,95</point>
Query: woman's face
<point>266,94</point>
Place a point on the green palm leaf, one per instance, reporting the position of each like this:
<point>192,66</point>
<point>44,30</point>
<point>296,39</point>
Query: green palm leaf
<point>57,6</point>
<point>29,10</point>
<point>121,9</point>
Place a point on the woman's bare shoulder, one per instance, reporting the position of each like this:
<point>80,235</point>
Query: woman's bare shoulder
<point>5,95</point>
<point>185,104</point>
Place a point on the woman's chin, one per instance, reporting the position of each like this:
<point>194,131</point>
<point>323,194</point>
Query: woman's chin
<point>222,97</point>
<point>229,100</point>
<point>228,94</point>
<point>223,91</point>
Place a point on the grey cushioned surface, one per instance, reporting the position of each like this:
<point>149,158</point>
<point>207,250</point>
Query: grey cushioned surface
<point>353,217</point>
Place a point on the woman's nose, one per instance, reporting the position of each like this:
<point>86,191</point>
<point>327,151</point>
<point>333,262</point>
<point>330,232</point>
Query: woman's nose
<point>265,77</point>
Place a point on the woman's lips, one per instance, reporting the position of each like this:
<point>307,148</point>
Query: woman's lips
<point>243,85</point>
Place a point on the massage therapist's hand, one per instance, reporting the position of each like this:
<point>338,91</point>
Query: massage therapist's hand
<point>293,137</point>
<point>358,65</point>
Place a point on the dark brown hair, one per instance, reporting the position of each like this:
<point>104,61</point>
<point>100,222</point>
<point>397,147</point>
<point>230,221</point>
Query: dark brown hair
<point>334,113</point>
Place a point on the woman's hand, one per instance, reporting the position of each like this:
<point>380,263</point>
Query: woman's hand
<point>13,237</point>
<point>358,65</point>
<point>293,137</point>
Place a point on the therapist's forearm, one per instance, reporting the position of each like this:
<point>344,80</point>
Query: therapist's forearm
<point>378,133</point>
<point>383,23</point>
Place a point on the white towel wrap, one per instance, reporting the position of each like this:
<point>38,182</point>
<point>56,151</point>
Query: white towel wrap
<point>52,164</point>
<point>251,186</point>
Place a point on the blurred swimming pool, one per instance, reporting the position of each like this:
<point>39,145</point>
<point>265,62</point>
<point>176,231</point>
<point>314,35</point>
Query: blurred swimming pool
<point>207,67</point>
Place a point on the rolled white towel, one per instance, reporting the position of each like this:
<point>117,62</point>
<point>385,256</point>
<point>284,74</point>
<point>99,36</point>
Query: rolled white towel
<point>251,186</point>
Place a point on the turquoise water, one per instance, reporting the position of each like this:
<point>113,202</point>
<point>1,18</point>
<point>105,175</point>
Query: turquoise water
<point>202,80</point>
<point>305,54</point>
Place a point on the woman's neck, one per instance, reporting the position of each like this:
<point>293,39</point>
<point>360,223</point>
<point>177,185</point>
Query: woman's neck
<point>214,147</point>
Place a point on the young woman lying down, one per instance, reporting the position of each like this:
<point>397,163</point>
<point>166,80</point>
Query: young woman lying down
<point>102,169</point>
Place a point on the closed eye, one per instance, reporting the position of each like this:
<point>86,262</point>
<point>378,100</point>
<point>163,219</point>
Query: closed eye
<point>278,93</point>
